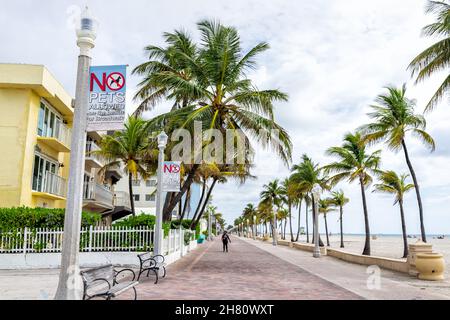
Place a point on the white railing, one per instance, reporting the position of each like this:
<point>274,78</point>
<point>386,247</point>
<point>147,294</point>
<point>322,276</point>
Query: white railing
<point>54,184</point>
<point>122,199</point>
<point>91,152</point>
<point>96,192</point>
<point>91,239</point>
<point>61,133</point>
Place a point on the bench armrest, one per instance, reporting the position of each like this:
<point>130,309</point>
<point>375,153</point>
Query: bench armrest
<point>123,270</point>
<point>87,287</point>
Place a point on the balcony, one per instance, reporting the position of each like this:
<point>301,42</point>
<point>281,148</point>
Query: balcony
<point>122,199</point>
<point>93,160</point>
<point>58,139</point>
<point>96,197</point>
<point>51,187</point>
<point>114,172</point>
<point>122,205</point>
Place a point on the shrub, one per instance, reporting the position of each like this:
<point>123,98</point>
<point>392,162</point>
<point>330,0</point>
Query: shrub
<point>33,218</point>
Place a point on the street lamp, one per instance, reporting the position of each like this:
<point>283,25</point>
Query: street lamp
<point>209,225</point>
<point>248,228</point>
<point>254,227</point>
<point>274,230</point>
<point>70,285</point>
<point>316,195</point>
<point>157,248</point>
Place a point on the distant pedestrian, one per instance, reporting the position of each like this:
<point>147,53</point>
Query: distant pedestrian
<point>225,240</point>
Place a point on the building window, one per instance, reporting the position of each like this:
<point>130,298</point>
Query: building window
<point>150,197</point>
<point>136,183</point>
<point>49,122</point>
<point>41,167</point>
<point>151,183</point>
<point>136,197</point>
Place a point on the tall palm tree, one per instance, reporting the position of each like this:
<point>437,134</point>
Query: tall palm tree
<point>435,58</point>
<point>165,60</point>
<point>282,216</point>
<point>133,149</point>
<point>396,185</point>
<point>305,175</point>
<point>324,208</point>
<point>212,79</point>
<point>355,163</point>
<point>290,194</point>
<point>339,200</point>
<point>394,118</point>
<point>272,196</point>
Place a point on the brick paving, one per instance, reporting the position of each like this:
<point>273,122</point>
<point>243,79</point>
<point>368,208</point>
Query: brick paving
<point>246,272</point>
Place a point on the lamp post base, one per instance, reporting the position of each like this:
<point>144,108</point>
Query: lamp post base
<point>316,253</point>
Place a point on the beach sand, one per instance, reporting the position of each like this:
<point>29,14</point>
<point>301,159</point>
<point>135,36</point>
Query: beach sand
<point>386,246</point>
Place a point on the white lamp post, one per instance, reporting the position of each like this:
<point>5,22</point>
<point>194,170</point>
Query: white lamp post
<point>157,248</point>
<point>70,285</point>
<point>254,227</point>
<point>274,230</point>
<point>316,195</point>
<point>248,228</point>
<point>209,225</point>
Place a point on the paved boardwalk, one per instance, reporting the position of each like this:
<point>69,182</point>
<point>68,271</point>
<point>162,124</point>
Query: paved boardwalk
<point>246,272</point>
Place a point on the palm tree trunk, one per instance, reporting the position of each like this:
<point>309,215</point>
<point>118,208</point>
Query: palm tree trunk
<point>326,229</point>
<point>405,240</point>
<point>290,221</point>
<point>340,223</point>
<point>366,250</point>
<point>130,188</point>
<point>285,225</point>
<point>416,187</point>
<point>185,205</point>
<point>197,210</point>
<point>307,228</point>
<point>208,195</point>
<point>298,224</point>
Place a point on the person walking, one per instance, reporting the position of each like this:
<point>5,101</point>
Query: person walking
<point>225,240</point>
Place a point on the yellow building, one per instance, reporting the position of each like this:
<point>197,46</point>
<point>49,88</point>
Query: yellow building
<point>35,129</point>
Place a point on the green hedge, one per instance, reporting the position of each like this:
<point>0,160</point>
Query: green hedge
<point>33,218</point>
<point>149,221</point>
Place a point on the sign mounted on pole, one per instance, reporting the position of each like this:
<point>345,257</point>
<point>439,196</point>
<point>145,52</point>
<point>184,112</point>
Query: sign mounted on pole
<point>107,88</point>
<point>171,176</point>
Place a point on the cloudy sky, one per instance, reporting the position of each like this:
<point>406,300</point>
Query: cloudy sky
<point>331,57</point>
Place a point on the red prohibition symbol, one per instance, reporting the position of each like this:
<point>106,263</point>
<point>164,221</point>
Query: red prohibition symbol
<point>115,81</point>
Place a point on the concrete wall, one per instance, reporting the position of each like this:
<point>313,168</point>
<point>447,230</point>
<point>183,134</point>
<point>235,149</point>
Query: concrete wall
<point>387,263</point>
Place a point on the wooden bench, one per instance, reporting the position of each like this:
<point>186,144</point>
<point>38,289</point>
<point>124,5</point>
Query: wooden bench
<point>151,263</point>
<point>103,282</point>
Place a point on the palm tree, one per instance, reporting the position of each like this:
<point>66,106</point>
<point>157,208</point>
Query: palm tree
<point>290,194</point>
<point>339,200</point>
<point>282,216</point>
<point>396,185</point>
<point>436,57</point>
<point>325,208</point>
<point>305,175</point>
<point>271,195</point>
<point>355,163</point>
<point>210,85</point>
<point>133,149</point>
<point>394,118</point>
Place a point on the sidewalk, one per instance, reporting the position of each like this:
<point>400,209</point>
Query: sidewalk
<point>246,272</point>
<point>353,277</point>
